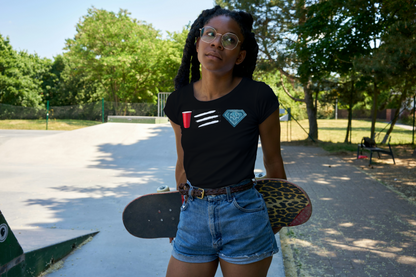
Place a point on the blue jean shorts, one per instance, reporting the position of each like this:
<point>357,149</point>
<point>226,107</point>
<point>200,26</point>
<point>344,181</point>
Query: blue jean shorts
<point>234,227</point>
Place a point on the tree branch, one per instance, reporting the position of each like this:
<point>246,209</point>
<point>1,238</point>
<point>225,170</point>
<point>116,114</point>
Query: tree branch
<point>287,92</point>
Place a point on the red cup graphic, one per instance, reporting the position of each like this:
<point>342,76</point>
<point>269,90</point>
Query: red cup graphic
<point>186,116</point>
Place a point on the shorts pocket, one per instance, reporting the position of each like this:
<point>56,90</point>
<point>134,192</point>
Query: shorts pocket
<point>250,202</point>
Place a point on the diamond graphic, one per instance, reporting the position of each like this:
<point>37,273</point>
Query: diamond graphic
<point>234,116</point>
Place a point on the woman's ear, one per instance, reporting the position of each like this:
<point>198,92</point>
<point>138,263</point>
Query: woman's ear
<point>241,57</point>
<point>197,44</point>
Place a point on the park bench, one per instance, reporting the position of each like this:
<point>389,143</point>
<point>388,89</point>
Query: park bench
<point>373,148</point>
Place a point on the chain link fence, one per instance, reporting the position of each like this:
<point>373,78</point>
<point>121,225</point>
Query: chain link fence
<point>89,111</point>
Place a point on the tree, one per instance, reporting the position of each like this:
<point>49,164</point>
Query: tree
<point>120,53</point>
<point>65,86</point>
<point>358,38</point>
<point>397,52</point>
<point>20,76</point>
<point>335,35</point>
<point>171,60</point>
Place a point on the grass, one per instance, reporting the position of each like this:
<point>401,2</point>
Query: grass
<point>330,130</point>
<point>331,134</point>
<point>40,124</point>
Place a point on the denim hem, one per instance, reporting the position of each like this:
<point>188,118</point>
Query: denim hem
<point>194,259</point>
<point>248,259</point>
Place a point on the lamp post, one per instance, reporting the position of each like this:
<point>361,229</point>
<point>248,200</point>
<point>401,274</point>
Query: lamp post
<point>336,108</point>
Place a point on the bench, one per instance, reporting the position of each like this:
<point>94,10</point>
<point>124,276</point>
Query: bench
<point>362,147</point>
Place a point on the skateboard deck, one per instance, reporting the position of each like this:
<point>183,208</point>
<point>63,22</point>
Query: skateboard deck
<point>156,215</point>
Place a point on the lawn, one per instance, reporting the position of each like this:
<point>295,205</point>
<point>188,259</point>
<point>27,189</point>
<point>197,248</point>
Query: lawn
<point>40,124</point>
<point>331,130</point>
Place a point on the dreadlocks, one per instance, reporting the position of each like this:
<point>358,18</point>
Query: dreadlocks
<point>190,57</point>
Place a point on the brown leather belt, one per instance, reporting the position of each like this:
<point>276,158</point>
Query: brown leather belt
<point>200,193</point>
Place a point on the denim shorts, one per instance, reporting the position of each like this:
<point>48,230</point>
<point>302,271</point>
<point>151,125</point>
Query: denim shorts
<point>234,227</point>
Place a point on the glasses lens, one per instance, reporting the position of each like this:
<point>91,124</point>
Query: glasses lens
<point>208,34</point>
<point>229,41</point>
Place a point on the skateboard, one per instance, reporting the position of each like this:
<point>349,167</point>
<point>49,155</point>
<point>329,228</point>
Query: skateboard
<point>156,215</point>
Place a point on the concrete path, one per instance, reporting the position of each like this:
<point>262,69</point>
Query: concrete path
<point>82,180</point>
<point>5,135</point>
<point>407,127</point>
<point>358,228</point>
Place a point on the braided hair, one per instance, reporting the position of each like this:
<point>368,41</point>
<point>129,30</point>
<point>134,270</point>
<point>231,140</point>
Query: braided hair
<point>190,56</point>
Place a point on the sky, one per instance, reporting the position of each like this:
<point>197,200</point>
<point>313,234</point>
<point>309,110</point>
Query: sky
<point>42,26</point>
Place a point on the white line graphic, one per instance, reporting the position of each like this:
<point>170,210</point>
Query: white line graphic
<point>207,118</point>
<point>208,123</point>
<point>206,113</point>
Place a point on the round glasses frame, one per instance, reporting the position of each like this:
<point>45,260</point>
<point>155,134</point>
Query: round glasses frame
<point>222,37</point>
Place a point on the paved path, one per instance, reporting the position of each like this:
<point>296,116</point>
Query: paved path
<point>407,127</point>
<point>5,135</point>
<point>358,227</point>
<point>82,180</point>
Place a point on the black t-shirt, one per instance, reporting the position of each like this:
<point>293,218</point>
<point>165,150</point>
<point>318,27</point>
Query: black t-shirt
<point>220,143</point>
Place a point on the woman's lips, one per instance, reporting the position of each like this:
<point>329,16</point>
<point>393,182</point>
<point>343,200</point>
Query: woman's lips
<point>214,55</point>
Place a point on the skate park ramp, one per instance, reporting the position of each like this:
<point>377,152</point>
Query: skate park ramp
<point>81,180</point>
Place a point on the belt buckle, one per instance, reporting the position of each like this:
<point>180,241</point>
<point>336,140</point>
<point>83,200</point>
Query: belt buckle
<point>202,193</point>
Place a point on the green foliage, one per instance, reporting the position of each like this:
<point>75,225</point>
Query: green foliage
<point>273,80</point>
<point>171,59</point>
<point>21,76</point>
<point>71,86</point>
<point>120,53</point>
<point>333,34</point>
<point>111,56</point>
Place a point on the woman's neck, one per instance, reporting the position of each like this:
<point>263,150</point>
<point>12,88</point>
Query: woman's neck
<point>212,87</point>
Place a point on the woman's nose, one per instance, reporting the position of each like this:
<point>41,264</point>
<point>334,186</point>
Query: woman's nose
<point>217,41</point>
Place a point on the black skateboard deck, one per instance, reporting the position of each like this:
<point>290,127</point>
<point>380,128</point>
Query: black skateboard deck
<point>156,215</point>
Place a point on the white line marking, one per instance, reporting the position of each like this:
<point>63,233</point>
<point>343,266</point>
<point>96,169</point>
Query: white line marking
<point>208,123</point>
<point>202,114</point>
<point>207,118</point>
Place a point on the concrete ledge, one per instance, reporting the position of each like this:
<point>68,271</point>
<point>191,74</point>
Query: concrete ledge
<point>138,119</point>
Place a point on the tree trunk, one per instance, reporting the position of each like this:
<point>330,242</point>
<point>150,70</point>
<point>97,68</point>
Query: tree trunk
<point>349,123</point>
<point>311,110</point>
<point>349,127</point>
<point>396,115</point>
<point>374,110</point>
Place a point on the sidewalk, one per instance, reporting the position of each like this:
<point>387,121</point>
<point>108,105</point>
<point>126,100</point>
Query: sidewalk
<point>358,227</point>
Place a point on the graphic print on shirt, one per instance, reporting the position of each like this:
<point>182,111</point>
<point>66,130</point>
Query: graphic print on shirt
<point>204,118</point>
<point>234,116</point>
<point>186,118</point>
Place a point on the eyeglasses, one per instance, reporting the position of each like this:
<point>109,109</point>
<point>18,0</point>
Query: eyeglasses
<point>229,40</point>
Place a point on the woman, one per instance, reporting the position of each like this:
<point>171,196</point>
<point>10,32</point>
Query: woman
<point>217,120</point>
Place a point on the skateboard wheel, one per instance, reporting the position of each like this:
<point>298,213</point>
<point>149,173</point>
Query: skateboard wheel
<point>260,175</point>
<point>163,188</point>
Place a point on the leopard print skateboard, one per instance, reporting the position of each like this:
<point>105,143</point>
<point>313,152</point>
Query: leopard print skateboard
<point>156,215</point>
<point>287,204</point>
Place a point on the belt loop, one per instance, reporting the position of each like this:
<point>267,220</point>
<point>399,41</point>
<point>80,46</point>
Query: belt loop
<point>229,196</point>
<point>190,190</point>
